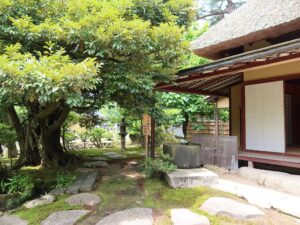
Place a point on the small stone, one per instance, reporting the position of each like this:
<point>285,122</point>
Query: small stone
<point>83,199</point>
<point>12,220</point>
<point>46,199</point>
<point>68,217</point>
<point>1,213</point>
<point>189,178</point>
<point>95,164</point>
<point>231,208</point>
<point>134,216</point>
<point>187,217</point>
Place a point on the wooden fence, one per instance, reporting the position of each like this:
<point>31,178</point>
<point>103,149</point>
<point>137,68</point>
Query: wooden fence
<point>207,128</point>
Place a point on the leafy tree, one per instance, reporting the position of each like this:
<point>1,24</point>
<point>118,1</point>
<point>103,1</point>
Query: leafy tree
<point>188,105</point>
<point>136,42</point>
<point>96,134</point>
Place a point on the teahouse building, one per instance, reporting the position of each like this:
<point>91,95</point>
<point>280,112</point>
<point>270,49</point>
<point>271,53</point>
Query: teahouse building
<point>256,63</point>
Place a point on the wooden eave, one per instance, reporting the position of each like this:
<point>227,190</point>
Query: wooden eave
<point>217,77</point>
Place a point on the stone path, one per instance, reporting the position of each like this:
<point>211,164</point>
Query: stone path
<point>114,155</point>
<point>188,178</point>
<point>95,164</point>
<point>261,196</point>
<point>69,217</point>
<point>12,220</point>
<point>97,158</point>
<point>83,199</point>
<point>134,216</point>
<point>187,217</point>
<point>230,208</point>
<point>46,199</point>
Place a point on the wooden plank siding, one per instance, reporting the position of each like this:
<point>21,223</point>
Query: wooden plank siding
<point>208,128</point>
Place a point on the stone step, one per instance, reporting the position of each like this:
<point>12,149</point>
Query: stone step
<point>89,182</point>
<point>189,178</point>
<point>75,187</point>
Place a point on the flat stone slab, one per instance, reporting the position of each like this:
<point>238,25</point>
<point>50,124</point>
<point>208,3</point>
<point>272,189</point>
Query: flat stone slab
<point>188,178</point>
<point>231,208</point>
<point>97,158</point>
<point>68,217</point>
<point>83,183</point>
<point>114,155</point>
<point>83,199</point>
<point>134,216</point>
<point>95,164</point>
<point>12,220</point>
<point>44,200</point>
<point>58,191</point>
<point>187,217</point>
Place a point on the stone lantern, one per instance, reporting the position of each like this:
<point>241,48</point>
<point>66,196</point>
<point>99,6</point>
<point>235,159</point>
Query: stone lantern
<point>123,133</point>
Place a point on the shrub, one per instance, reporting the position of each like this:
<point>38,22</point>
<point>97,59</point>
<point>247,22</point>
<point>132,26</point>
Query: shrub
<point>64,179</point>
<point>158,166</point>
<point>96,134</point>
<point>17,184</point>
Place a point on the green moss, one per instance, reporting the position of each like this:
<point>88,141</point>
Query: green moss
<point>37,214</point>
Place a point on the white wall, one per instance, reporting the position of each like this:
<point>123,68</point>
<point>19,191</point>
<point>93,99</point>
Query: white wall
<point>264,108</point>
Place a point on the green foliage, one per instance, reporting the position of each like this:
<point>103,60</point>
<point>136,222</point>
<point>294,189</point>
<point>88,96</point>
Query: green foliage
<point>159,165</point>
<point>64,179</point>
<point>96,134</point>
<point>18,184</point>
<point>7,134</point>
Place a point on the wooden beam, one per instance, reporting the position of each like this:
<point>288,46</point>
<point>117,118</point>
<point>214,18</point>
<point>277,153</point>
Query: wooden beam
<point>178,89</point>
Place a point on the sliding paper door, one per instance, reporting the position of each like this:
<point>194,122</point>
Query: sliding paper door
<point>264,114</point>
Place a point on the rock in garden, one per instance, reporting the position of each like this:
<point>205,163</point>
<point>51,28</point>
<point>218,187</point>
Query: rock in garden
<point>134,216</point>
<point>83,199</point>
<point>1,213</point>
<point>188,178</point>
<point>95,164</point>
<point>12,220</point>
<point>114,155</point>
<point>187,217</point>
<point>46,199</point>
<point>231,208</point>
<point>69,217</point>
<point>98,158</point>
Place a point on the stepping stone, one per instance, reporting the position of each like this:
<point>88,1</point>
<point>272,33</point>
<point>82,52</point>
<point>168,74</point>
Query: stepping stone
<point>68,217</point>
<point>189,178</point>
<point>83,199</point>
<point>231,208</point>
<point>187,217</point>
<point>46,199</point>
<point>134,216</point>
<point>83,183</point>
<point>98,158</point>
<point>1,213</point>
<point>58,191</point>
<point>89,182</point>
<point>95,164</point>
<point>12,220</point>
<point>114,155</point>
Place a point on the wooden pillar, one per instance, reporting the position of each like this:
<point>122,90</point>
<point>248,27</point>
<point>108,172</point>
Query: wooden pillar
<point>152,149</point>
<point>216,115</point>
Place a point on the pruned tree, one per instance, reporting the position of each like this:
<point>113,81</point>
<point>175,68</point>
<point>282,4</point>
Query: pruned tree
<point>216,10</point>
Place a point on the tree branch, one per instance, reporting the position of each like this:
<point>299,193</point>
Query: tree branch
<point>61,119</point>
<point>47,111</point>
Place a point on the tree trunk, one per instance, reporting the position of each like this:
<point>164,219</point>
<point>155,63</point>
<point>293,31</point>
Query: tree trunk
<point>185,125</point>
<point>29,153</point>
<point>12,150</point>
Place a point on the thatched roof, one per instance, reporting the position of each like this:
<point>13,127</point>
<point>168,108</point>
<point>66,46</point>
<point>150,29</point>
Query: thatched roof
<point>256,20</point>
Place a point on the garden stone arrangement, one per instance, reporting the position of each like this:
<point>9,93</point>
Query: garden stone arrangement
<point>46,199</point>
<point>231,208</point>
<point>134,216</point>
<point>114,155</point>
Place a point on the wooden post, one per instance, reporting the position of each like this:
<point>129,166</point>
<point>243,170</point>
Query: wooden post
<point>216,115</point>
<point>146,132</point>
<point>152,152</point>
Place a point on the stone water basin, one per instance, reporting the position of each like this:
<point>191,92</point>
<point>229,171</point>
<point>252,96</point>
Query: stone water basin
<point>184,156</point>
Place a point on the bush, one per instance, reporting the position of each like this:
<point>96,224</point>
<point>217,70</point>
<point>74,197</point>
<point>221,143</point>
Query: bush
<point>96,134</point>
<point>64,179</point>
<point>17,184</point>
<point>158,166</point>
